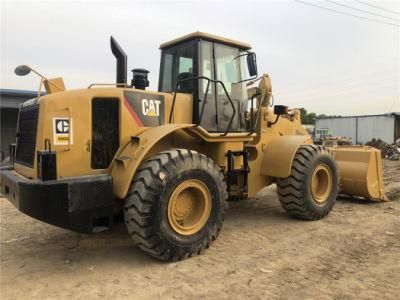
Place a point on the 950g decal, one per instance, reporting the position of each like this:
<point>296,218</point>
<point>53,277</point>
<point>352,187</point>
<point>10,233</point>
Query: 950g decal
<point>62,131</point>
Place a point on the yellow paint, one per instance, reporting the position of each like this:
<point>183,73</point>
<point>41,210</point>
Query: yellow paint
<point>152,113</point>
<point>321,183</point>
<point>62,139</point>
<point>360,170</point>
<point>189,207</point>
<point>54,85</point>
<point>207,36</point>
<point>279,154</point>
<point>271,148</point>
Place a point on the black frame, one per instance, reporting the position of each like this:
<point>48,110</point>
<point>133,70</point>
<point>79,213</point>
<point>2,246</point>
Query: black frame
<point>197,122</point>
<point>25,155</point>
<point>253,124</point>
<point>195,45</point>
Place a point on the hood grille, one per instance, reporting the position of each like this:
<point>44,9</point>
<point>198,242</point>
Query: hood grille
<point>26,135</point>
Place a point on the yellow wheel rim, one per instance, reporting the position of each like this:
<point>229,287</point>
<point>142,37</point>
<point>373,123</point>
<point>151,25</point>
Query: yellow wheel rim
<point>189,207</point>
<point>321,183</point>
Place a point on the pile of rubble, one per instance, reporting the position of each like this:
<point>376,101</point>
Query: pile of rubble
<point>391,152</point>
<point>336,141</point>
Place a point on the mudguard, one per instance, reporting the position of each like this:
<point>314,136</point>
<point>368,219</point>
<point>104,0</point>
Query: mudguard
<point>279,154</point>
<point>130,158</point>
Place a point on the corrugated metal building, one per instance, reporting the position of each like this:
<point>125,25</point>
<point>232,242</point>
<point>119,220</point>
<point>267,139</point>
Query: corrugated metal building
<point>9,106</point>
<point>362,129</point>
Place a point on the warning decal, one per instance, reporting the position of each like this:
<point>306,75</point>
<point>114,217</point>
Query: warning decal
<point>62,131</point>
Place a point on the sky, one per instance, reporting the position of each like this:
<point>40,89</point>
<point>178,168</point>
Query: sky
<point>318,59</point>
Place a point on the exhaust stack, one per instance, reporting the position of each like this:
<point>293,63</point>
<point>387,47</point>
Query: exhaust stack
<point>121,61</point>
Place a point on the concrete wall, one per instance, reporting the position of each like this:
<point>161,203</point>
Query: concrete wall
<point>361,129</point>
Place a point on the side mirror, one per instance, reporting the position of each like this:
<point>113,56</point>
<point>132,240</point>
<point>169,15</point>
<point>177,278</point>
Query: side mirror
<point>252,64</point>
<point>279,110</point>
<point>22,70</point>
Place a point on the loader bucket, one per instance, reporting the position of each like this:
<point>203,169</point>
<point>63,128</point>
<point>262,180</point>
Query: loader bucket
<point>360,171</point>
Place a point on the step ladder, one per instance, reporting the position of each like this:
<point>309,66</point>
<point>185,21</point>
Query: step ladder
<point>234,189</point>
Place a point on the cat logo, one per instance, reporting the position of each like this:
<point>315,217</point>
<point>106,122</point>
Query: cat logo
<point>62,131</point>
<point>146,109</point>
<point>62,126</point>
<point>151,108</point>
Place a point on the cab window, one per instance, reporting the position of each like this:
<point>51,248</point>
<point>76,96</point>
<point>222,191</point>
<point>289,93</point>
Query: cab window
<point>206,67</point>
<point>177,64</point>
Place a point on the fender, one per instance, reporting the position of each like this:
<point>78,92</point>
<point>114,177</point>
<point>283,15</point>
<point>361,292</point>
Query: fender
<point>279,154</point>
<point>130,158</point>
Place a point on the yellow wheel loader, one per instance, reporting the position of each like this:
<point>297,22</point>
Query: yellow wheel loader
<point>172,159</point>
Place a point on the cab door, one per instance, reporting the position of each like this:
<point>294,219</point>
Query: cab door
<point>228,69</point>
<point>219,62</point>
<point>207,96</point>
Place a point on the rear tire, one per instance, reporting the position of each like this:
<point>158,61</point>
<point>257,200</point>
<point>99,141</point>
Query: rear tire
<point>311,190</point>
<point>176,204</point>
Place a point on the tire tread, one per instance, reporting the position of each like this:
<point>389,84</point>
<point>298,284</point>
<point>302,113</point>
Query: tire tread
<point>291,190</point>
<point>142,200</point>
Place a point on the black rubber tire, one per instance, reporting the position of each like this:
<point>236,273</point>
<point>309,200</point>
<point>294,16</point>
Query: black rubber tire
<point>237,198</point>
<point>145,210</point>
<point>295,191</point>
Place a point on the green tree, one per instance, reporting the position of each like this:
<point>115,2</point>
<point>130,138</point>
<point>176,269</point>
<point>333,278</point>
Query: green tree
<point>303,115</point>
<point>307,118</point>
<point>310,118</point>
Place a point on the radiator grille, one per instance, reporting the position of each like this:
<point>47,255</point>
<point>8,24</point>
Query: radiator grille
<point>105,131</point>
<point>26,135</point>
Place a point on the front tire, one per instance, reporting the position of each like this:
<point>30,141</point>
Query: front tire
<point>311,190</point>
<point>176,204</point>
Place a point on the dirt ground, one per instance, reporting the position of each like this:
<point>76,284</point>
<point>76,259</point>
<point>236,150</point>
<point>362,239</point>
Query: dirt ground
<point>354,253</point>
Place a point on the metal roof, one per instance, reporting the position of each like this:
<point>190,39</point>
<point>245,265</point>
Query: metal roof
<point>206,36</point>
<point>19,93</point>
<point>397,114</point>
<point>10,98</point>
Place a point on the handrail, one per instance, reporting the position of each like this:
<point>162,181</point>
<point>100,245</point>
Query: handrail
<point>253,126</point>
<point>204,100</point>
<point>204,103</point>
<point>116,84</point>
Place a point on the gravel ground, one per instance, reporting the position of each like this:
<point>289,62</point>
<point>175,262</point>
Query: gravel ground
<point>261,253</point>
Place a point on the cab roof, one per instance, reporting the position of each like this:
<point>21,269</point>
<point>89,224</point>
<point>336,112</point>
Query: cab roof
<point>206,36</point>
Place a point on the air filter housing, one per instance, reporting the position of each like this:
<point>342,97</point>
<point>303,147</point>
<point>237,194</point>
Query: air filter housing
<point>139,79</point>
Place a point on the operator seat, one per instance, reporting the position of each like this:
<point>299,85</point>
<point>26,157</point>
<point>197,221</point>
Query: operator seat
<point>186,86</point>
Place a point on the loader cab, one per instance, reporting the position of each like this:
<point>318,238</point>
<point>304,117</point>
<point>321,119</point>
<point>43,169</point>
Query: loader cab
<point>213,70</point>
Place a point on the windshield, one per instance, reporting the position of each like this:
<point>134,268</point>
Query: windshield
<point>229,70</point>
<point>217,61</point>
<point>222,63</point>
